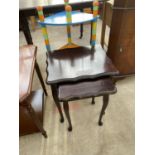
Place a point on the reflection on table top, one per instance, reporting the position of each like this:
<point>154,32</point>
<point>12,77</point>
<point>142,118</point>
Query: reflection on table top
<point>78,64</point>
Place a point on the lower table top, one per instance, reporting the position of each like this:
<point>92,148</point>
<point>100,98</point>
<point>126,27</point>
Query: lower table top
<point>76,64</point>
<point>86,89</point>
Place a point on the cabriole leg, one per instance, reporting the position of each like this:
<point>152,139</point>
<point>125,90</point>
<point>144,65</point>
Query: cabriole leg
<point>55,97</point>
<point>105,104</point>
<point>66,110</point>
<point>93,100</point>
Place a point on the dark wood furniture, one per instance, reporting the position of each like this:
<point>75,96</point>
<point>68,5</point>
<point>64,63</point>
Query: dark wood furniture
<point>27,8</point>
<point>86,89</point>
<point>30,103</point>
<point>106,20</point>
<point>67,66</point>
<point>121,48</point>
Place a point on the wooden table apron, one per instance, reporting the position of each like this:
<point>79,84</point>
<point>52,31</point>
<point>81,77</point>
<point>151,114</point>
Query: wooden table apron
<point>27,11</point>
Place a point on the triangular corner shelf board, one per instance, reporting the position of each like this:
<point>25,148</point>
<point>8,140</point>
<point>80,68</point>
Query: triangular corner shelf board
<point>59,19</point>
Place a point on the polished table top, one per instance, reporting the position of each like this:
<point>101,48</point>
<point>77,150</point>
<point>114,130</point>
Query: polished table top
<point>76,64</point>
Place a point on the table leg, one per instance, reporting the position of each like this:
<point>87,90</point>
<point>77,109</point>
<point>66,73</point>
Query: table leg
<point>40,78</point>
<point>66,110</point>
<point>105,104</point>
<point>81,28</point>
<point>93,100</point>
<point>25,27</point>
<point>56,100</point>
<point>81,31</point>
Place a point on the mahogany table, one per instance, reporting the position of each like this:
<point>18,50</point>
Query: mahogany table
<point>74,65</point>
<point>27,8</point>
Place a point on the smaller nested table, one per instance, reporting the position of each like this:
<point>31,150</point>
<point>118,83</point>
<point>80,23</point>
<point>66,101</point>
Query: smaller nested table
<point>30,102</point>
<point>86,89</point>
<point>68,66</point>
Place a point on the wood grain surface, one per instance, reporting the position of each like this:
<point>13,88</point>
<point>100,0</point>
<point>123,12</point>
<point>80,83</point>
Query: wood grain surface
<point>80,63</point>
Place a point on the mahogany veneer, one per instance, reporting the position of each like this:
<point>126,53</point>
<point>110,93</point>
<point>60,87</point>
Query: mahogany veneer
<point>68,65</point>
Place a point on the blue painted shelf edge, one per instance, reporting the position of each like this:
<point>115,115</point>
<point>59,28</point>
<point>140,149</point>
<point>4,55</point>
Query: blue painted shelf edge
<point>59,19</point>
